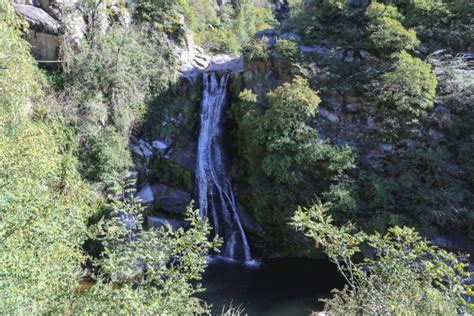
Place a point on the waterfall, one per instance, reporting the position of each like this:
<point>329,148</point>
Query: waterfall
<point>216,198</point>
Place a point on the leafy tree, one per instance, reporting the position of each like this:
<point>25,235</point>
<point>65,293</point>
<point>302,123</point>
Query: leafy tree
<point>108,80</point>
<point>108,158</point>
<point>44,206</point>
<point>385,30</point>
<point>286,161</point>
<point>324,20</point>
<point>410,86</point>
<point>286,48</point>
<point>402,274</point>
<point>257,50</point>
<point>147,271</point>
<point>290,144</point>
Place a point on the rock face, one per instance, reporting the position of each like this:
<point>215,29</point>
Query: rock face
<point>249,223</point>
<point>165,198</point>
<point>193,60</point>
<point>158,221</point>
<point>43,34</point>
<point>48,19</point>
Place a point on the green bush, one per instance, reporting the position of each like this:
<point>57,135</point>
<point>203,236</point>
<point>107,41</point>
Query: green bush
<point>410,86</point>
<point>229,27</point>
<point>402,273</point>
<point>147,272</point>
<point>44,205</point>
<point>286,48</point>
<point>325,20</point>
<point>385,30</point>
<point>108,158</point>
<point>286,161</point>
<point>257,50</point>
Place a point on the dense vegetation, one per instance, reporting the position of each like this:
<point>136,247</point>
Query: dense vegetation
<point>393,151</point>
<point>47,206</point>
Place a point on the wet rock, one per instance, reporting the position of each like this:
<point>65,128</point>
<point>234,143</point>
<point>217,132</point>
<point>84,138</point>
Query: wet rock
<point>268,33</point>
<point>386,148</point>
<point>411,143</point>
<point>453,242</point>
<point>157,221</point>
<point>186,156</point>
<point>291,36</point>
<point>359,3</point>
<point>159,144</point>
<point>328,115</point>
<point>371,122</point>
<point>314,49</point>
<point>442,109</point>
<point>223,63</point>
<point>170,199</point>
<point>142,148</point>
<point>146,194</point>
<point>249,223</point>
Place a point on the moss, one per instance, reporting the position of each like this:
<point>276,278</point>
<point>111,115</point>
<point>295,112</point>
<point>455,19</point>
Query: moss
<point>175,111</point>
<point>168,172</point>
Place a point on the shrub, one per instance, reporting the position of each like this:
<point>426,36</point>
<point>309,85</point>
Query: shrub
<point>108,157</point>
<point>257,50</point>
<point>385,30</point>
<point>410,86</point>
<point>147,272</point>
<point>403,274</point>
<point>286,48</point>
<point>44,205</point>
<point>325,20</point>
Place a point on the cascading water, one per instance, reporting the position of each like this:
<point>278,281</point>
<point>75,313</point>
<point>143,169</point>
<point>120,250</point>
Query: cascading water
<point>216,198</point>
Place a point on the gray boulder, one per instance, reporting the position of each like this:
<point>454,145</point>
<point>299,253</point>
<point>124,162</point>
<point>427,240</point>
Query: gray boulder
<point>249,223</point>
<point>158,221</point>
<point>38,19</point>
<point>170,199</point>
<point>185,156</point>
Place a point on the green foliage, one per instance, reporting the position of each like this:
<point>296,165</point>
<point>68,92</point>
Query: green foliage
<point>410,86</point>
<point>44,206</point>
<point>226,28</point>
<point>325,20</point>
<point>403,274</point>
<point>286,48</point>
<point>385,30</point>
<point>108,79</point>
<point>147,271</point>
<point>108,157</point>
<point>257,50</point>
<point>287,163</point>
<point>290,144</point>
<point>19,77</point>
<point>163,13</point>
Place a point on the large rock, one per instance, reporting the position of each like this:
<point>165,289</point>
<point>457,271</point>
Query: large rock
<point>38,19</point>
<point>185,156</point>
<point>146,194</point>
<point>170,199</point>
<point>44,31</point>
<point>249,223</point>
<point>164,197</point>
<point>223,63</point>
<point>158,221</point>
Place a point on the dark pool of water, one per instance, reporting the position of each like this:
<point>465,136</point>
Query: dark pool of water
<point>278,287</point>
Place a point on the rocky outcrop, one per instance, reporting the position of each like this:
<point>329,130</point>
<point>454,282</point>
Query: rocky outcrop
<point>249,223</point>
<point>157,221</point>
<point>165,198</point>
<point>43,33</point>
<point>193,61</point>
